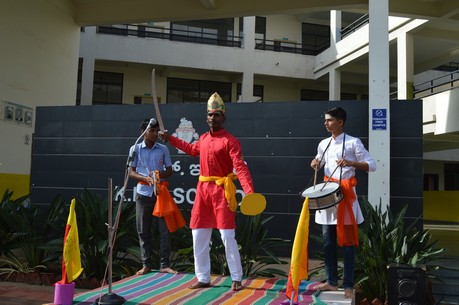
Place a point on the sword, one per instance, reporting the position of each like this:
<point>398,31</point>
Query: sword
<point>155,101</point>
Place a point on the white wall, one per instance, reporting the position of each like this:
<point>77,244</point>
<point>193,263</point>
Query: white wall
<point>38,66</point>
<point>283,27</point>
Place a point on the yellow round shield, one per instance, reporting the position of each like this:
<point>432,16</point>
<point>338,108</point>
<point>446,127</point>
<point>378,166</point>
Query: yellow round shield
<point>253,204</point>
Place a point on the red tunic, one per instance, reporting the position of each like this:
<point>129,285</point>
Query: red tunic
<point>219,153</point>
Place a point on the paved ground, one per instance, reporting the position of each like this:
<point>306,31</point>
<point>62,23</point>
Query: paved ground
<point>25,294</point>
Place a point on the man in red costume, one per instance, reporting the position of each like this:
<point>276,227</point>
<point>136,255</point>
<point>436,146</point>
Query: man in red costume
<point>215,204</point>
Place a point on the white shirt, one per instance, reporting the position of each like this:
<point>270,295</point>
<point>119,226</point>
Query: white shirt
<point>353,151</point>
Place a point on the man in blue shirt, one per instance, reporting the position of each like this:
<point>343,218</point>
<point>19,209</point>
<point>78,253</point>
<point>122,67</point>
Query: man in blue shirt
<point>151,160</point>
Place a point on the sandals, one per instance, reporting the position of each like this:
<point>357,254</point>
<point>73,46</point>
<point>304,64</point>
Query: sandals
<point>236,286</point>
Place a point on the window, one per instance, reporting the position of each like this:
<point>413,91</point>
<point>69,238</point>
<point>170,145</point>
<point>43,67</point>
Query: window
<point>260,27</point>
<point>315,38</point>
<point>318,95</point>
<point>108,88</point>
<point>430,182</point>
<point>195,91</point>
<point>451,177</point>
<point>79,77</point>
<point>313,95</point>
<point>212,31</point>
<point>257,91</point>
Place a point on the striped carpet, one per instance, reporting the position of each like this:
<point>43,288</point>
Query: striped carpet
<point>163,288</point>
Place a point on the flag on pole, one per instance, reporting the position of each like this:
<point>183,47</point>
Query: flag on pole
<point>71,260</point>
<point>299,260</point>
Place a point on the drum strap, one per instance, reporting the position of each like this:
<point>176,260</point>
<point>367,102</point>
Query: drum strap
<point>342,155</point>
<point>326,148</point>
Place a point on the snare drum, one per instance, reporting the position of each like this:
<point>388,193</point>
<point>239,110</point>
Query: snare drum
<point>320,199</point>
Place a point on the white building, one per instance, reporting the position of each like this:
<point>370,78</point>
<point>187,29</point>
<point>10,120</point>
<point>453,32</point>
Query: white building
<point>53,54</point>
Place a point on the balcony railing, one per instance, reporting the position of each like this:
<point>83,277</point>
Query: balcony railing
<point>158,32</point>
<point>438,84</point>
<point>354,26</point>
<point>289,46</point>
<point>144,31</point>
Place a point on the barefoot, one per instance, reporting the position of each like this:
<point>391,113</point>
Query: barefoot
<point>168,270</point>
<point>199,285</point>
<point>143,271</point>
<point>326,287</point>
<point>348,293</point>
<point>236,286</point>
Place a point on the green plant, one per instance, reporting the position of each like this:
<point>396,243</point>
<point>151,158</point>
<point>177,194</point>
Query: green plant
<point>25,228</point>
<point>15,265</point>
<point>256,247</point>
<point>91,211</point>
<point>8,222</point>
<point>385,239</point>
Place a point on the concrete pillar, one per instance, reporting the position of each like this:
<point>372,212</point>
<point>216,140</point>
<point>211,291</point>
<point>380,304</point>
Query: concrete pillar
<point>334,85</point>
<point>379,112</point>
<point>334,82</point>
<point>249,46</point>
<point>87,81</point>
<point>89,59</point>
<point>405,68</point>
<point>335,26</point>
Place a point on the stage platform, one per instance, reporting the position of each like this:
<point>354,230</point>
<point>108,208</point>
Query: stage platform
<point>163,288</point>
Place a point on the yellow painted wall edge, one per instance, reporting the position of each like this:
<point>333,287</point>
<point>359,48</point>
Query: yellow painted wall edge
<point>19,184</point>
<point>441,206</point>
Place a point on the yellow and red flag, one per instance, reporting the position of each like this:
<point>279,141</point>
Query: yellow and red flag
<point>71,260</point>
<point>299,260</point>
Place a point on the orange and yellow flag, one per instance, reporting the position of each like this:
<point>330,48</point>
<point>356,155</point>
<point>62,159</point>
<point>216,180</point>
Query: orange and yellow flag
<point>71,261</point>
<point>299,260</point>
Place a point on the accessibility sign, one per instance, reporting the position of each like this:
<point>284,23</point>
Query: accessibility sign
<point>379,119</point>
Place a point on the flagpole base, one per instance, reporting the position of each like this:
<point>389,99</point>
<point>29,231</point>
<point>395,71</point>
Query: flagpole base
<point>63,293</point>
<point>110,299</point>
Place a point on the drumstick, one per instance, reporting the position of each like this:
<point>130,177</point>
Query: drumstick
<point>155,101</point>
<point>315,177</point>
<point>329,177</point>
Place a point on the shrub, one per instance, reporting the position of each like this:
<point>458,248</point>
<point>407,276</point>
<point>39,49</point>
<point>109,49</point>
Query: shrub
<point>385,239</point>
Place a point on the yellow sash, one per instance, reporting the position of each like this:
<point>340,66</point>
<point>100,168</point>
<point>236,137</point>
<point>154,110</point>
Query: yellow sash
<point>228,185</point>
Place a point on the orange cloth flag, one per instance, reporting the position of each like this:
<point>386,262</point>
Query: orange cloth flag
<point>299,261</point>
<point>166,207</point>
<point>71,261</point>
<point>346,227</point>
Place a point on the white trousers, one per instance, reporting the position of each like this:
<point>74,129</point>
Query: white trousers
<point>201,249</point>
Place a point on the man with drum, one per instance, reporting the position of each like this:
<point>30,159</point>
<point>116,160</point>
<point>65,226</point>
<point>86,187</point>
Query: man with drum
<point>340,155</point>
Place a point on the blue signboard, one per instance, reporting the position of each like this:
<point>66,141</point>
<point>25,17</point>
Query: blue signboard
<point>379,119</point>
